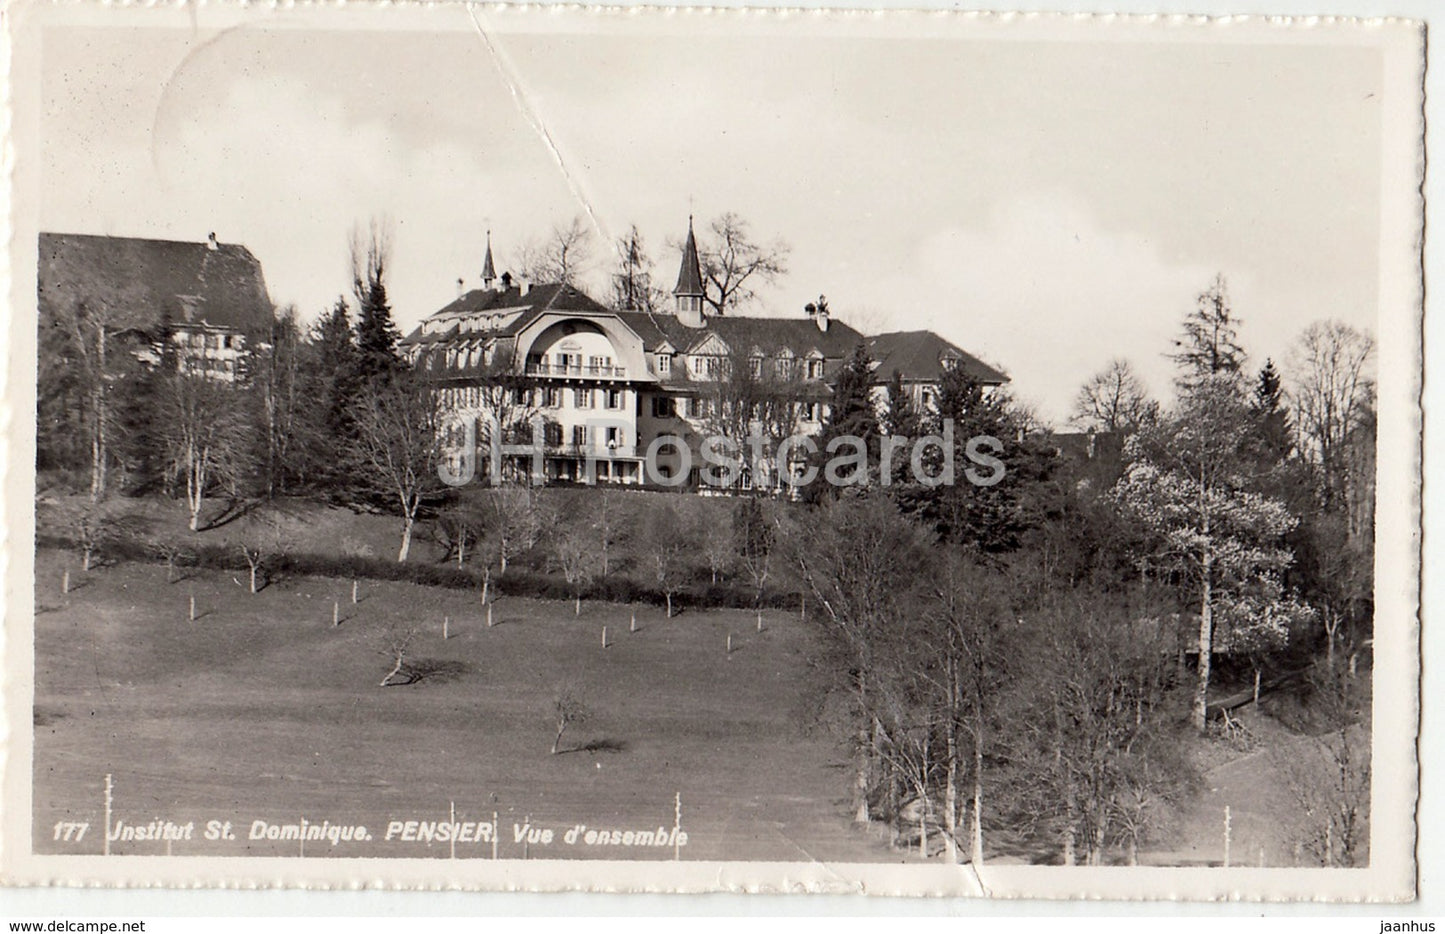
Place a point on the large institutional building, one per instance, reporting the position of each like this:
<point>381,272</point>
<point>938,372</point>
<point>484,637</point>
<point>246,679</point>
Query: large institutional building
<point>608,383</point>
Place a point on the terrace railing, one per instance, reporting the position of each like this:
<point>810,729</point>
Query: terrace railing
<point>558,369</point>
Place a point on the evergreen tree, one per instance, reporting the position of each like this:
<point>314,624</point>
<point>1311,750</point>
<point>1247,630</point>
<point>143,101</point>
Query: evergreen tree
<point>376,333</point>
<point>1209,346</point>
<point>1271,415</point>
<point>850,430</point>
<point>633,288</point>
<point>999,489</point>
<point>902,417</point>
<point>330,380</point>
<point>138,404</point>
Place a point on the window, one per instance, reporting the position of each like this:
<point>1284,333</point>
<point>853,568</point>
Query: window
<point>226,342</point>
<point>785,368</point>
<point>552,434</point>
<point>664,363</point>
<point>519,396</point>
<point>927,396</point>
<point>579,435</point>
<point>815,369</point>
<point>582,398</point>
<point>756,365</point>
<point>597,363</point>
<point>694,407</point>
<point>614,437</point>
<point>662,407</point>
<point>614,398</point>
<point>552,397</point>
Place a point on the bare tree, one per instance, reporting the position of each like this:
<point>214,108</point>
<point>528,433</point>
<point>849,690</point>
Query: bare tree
<point>561,256</point>
<point>734,264</point>
<point>1114,400</point>
<point>662,547</point>
<point>718,544</point>
<point>272,540</point>
<point>862,561</point>
<point>397,441</point>
<point>1332,392</point>
<point>609,522</point>
<point>204,433</point>
<point>575,551</point>
<point>568,710</point>
<point>172,552</point>
<point>92,524</point>
<point>755,534</point>
<point>1328,771</point>
<point>395,643</point>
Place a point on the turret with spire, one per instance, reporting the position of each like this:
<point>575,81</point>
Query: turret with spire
<point>689,294</point>
<point>489,269</point>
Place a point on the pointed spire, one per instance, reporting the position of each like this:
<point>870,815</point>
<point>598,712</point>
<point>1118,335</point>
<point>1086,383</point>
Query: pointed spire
<point>689,277</point>
<point>489,269</point>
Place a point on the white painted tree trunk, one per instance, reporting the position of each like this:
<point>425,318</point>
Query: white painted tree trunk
<point>406,525</point>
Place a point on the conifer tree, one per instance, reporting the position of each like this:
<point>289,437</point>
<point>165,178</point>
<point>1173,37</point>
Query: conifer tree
<point>376,333</point>
<point>851,422</point>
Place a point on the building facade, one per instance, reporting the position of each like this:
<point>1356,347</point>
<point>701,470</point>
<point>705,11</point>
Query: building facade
<point>616,390</point>
<point>210,296</point>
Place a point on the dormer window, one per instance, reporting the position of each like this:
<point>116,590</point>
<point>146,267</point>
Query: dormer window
<point>950,362</point>
<point>755,364</point>
<point>664,363</point>
<point>815,369</point>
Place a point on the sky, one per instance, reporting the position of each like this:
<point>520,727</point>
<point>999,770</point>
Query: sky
<point>1046,205</point>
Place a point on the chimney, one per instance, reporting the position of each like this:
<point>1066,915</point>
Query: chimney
<point>505,282</point>
<point>461,287</point>
<point>524,286</point>
<point>211,243</point>
<point>818,312</point>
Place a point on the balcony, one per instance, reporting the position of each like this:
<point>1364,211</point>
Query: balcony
<point>578,372</point>
<point>598,451</point>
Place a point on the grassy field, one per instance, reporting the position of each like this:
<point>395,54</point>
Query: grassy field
<point>262,710</point>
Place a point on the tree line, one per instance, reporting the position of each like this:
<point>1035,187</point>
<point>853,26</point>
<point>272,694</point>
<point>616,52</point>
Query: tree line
<point>1029,659</point>
<point>1021,658</point>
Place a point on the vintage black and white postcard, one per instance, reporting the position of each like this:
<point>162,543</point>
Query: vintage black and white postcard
<point>685,450</point>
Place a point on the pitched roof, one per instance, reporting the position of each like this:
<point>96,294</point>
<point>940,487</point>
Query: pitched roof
<point>521,309</point>
<point>139,280</point>
<point>689,275</point>
<point>919,355</point>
